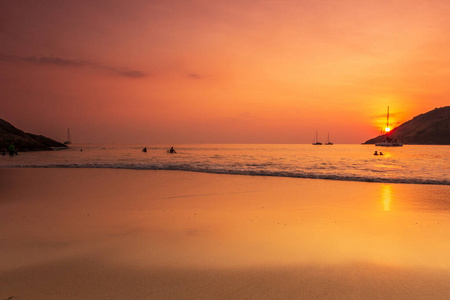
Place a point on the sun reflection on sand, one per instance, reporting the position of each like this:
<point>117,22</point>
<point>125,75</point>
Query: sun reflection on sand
<point>386,196</point>
<point>133,219</point>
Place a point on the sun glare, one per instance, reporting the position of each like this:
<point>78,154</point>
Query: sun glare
<point>387,129</point>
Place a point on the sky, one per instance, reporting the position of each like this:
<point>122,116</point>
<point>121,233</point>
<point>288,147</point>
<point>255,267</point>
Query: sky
<point>235,71</point>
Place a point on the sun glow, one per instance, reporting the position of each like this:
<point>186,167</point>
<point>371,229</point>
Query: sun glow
<point>387,129</point>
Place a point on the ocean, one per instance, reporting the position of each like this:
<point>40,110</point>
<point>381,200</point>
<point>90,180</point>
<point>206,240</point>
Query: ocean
<point>415,164</point>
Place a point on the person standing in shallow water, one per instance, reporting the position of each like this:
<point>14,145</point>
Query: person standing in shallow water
<point>172,150</point>
<point>144,150</point>
<point>12,149</point>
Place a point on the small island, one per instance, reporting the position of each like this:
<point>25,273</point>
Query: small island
<point>25,141</point>
<point>431,128</point>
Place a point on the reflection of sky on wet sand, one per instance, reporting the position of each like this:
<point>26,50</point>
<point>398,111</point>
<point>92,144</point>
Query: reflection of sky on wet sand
<point>176,219</point>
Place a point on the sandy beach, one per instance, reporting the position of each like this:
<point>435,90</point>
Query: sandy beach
<point>130,234</point>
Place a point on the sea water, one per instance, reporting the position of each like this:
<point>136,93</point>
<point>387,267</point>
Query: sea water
<point>409,164</point>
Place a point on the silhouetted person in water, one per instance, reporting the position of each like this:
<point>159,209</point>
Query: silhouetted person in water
<point>376,153</point>
<point>381,153</point>
<point>144,150</point>
<point>172,150</point>
<point>12,149</point>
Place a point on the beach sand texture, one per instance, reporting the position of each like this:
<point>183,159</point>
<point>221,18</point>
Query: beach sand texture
<point>130,234</point>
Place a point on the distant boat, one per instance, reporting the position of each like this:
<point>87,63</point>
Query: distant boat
<point>328,143</point>
<point>316,141</point>
<point>388,142</point>
<point>69,140</point>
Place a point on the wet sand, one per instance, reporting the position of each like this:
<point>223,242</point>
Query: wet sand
<point>129,234</point>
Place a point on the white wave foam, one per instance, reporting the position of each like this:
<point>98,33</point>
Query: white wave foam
<point>293,174</point>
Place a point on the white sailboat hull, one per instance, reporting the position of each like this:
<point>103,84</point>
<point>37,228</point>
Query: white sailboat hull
<point>389,144</point>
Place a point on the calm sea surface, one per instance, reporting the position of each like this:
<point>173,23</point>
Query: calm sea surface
<point>408,164</point>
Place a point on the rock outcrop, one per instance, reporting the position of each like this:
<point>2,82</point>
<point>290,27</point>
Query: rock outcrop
<point>25,141</point>
<point>431,128</point>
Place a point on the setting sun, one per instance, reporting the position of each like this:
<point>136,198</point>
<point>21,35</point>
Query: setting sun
<point>205,71</point>
<point>387,129</point>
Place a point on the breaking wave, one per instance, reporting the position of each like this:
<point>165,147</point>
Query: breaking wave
<point>258,172</point>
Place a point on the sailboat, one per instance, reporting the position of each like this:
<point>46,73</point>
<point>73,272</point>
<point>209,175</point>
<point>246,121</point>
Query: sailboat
<point>316,142</point>
<point>388,142</point>
<point>69,140</point>
<point>328,143</point>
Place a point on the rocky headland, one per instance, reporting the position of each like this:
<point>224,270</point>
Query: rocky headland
<point>431,128</point>
<point>25,141</point>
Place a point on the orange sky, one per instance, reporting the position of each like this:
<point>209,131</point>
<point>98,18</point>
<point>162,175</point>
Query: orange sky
<point>234,71</point>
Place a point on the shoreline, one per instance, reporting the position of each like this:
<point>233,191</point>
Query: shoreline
<point>70,233</point>
<point>250,173</point>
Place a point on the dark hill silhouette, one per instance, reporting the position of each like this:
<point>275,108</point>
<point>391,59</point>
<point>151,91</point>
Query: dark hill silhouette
<point>24,141</point>
<point>431,128</point>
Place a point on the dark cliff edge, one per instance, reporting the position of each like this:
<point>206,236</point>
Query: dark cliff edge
<point>431,128</point>
<point>25,141</point>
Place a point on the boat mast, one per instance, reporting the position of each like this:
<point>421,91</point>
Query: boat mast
<point>387,119</point>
